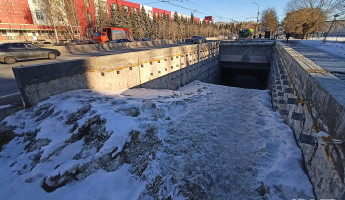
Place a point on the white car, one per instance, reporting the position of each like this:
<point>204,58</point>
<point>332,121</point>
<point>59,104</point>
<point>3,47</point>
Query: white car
<point>232,37</point>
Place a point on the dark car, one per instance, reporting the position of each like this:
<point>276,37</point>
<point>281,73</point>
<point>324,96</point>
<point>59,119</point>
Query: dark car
<point>11,52</point>
<point>146,39</point>
<point>77,42</point>
<point>197,39</point>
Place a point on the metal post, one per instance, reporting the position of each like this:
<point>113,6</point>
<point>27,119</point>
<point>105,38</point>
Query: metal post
<point>257,18</point>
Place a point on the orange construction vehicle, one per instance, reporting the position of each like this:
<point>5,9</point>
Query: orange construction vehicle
<point>110,34</point>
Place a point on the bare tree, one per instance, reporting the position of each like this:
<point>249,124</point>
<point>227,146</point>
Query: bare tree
<point>101,14</point>
<point>304,21</point>
<point>61,15</point>
<point>327,6</point>
<point>308,16</point>
<point>269,19</point>
<point>51,10</point>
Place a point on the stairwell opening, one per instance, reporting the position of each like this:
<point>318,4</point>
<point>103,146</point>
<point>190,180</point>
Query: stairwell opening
<point>245,75</point>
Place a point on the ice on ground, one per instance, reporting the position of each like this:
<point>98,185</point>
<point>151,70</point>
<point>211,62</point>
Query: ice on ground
<point>203,141</point>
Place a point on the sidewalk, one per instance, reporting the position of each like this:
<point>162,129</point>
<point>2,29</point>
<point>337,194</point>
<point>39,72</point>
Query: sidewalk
<point>330,62</point>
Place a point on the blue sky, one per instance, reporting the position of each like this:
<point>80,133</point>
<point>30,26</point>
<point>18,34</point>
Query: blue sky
<point>238,10</point>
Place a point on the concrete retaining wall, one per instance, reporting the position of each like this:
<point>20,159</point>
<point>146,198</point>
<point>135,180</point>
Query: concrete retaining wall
<point>166,68</point>
<point>6,110</point>
<point>311,100</point>
<point>257,51</point>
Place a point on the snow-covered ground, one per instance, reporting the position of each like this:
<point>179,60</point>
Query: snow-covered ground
<point>203,141</point>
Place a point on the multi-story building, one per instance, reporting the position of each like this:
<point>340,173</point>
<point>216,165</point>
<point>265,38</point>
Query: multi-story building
<point>16,20</point>
<point>148,10</point>
<point>209,19</point>
<point>29,19</point>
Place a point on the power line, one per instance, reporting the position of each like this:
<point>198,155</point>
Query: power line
<point>190,3</point>
<point>217,16</point>
<point>183,7</point>
<point>195,8</point>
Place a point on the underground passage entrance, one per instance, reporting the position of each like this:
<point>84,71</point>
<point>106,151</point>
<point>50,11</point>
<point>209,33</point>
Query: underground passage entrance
<point>245,75</point>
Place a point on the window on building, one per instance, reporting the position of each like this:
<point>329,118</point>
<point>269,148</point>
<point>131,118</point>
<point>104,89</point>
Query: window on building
<point>104,5</point>
<point>162,15</point>
<point>113,6</point>
<point>39,15</point>
<point>125,8</point>
<point>89,17</point>
<point>87,3</point>
<point>156,14</point>
<point>135,11</point>
<point>150,13</point>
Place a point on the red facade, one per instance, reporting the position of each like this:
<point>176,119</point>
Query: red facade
<point>131,6</point>
<point>209,18</point>
<point>16,21</point>
<point>85,10</point>
<point>15,12</point>
<point>160,12</point>
<point>197,19</point>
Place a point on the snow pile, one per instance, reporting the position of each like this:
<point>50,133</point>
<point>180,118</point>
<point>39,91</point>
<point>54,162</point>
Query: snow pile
<point>201,142</point>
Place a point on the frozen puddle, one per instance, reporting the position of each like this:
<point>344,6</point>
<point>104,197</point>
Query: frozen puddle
<point>202,142</point>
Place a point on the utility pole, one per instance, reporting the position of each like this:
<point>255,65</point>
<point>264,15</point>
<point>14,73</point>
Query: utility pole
<point>257,18</point>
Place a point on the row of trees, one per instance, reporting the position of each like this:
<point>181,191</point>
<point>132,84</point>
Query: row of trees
<point>305,17</point>
<point>164,28</point>
<point>61,15</point>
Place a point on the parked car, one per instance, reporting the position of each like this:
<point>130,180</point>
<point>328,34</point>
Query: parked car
<point>232,37</point>
<point>146,39</point>
<point>77,42</point>
<point>11,52</point>
<point>197,39</point>
<point>120,41</point>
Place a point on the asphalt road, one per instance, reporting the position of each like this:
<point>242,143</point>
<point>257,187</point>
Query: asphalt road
<point>8,85</point>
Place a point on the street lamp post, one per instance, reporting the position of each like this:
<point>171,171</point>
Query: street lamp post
<point>335,16</point>
<point>257,17</point>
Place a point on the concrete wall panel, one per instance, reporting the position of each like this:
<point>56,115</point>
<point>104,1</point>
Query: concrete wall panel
<point>166,68</point>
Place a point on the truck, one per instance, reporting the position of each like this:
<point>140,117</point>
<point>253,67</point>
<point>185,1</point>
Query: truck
<point>111,33</point>
<point>246,33</point>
